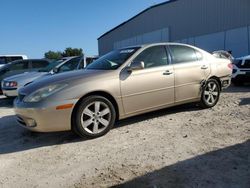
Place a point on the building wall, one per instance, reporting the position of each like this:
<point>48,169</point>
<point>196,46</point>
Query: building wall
<point>213,23</point>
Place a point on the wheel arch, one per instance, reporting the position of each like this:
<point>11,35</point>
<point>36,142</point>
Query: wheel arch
<point>98,93</point>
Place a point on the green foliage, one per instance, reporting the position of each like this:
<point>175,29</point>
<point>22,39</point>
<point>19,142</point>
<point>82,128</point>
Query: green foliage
<point>67,53</point>
<point>53,55</point>
<point>72,52</point>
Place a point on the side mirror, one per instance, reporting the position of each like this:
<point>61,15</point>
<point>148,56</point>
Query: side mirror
<point>136,65</point>
<point>55,70</point>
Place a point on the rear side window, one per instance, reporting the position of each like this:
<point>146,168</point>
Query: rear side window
<point>19,65</point>
<point>39,64</point>
<point>183,54</point>
<point>153,57</point>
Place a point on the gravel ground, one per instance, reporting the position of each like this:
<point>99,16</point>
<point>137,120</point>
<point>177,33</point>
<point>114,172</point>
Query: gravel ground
<point>182,146</point>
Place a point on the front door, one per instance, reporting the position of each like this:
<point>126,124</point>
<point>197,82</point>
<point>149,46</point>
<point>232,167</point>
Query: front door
<point>151,87</point>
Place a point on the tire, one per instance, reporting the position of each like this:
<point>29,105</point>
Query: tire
<point>210,94</point>
<point>94,117</point>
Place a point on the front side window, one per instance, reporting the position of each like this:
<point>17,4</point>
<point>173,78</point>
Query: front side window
<point>183,54</point>
<point>153,57</point>
<point>113,60</point>
<point>70,65</point>
<point>51,66</point>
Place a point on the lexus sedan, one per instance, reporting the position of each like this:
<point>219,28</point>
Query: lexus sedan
<point>123,83</point>
<point>12,84</point>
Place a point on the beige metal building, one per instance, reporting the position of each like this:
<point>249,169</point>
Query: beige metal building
<point>209,24</point>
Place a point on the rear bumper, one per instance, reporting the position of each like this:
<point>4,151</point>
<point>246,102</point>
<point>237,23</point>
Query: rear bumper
<point>225,82</point>
<point>10,92</point>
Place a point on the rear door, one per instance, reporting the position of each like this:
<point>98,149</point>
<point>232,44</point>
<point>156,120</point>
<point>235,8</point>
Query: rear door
<point>190,70</point>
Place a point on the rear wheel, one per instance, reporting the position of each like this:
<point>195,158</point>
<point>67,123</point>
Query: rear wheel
<point>94,117</point>
<point>210,94</point>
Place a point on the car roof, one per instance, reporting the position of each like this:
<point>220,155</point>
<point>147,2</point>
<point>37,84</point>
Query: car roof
<point>155,44</point>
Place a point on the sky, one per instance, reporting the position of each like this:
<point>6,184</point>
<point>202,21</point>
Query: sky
<point>33,27</point>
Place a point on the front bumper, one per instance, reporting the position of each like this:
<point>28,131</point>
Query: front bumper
<point>10,92</point>
<point>40,118</point>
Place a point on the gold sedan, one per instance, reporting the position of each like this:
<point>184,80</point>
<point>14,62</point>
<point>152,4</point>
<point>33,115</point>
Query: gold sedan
<point>123,83</point>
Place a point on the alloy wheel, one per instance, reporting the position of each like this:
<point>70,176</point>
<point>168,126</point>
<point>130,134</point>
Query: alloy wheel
<point>96,117</point>
<point>211,93</point>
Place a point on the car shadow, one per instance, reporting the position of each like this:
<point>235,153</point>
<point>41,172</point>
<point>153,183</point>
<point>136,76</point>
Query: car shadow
<point>155,114</point>
<point>14,138</point>
<point>227,167</point>
<point>237,89</point>
<point>6,102</point>
<point>244,101</point>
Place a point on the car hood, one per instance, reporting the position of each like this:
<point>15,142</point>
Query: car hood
<point>67,77</point>
<point>25,75</point>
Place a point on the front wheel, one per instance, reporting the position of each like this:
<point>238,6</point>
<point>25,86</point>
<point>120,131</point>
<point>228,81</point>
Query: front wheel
<point>210,94</point>
<point>94,117</point>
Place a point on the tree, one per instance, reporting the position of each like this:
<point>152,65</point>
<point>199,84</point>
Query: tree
<point>53,55</point>
<point>67,53</point>
<point>72,52</point>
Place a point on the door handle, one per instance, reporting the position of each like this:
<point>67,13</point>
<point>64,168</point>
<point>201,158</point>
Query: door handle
<point>167,72</point>
<point>204,67</point>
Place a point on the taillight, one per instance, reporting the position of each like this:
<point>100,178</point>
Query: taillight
<point>230,65</point>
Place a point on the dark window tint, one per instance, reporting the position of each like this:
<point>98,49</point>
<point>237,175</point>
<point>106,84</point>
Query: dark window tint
<point>183,54</point>
<point>10,59</point>
<point>153,57</point>
<point>20,65</point>
<point>70,65</point>
<point>246,64</point>
<point>2,60</point>
<point>39,64</point>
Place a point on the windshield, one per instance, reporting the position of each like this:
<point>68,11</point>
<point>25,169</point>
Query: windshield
<point>112,60</point>
<point>51,66</point>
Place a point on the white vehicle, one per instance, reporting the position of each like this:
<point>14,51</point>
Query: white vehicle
<point>4,59</point>
<point>241,70</point>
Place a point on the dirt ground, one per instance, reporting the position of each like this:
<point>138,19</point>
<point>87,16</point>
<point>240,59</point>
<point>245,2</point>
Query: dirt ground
<point>182,146</point>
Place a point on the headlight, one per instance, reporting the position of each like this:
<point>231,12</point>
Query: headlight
<point>44,92</point>
<point>10,84</point>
